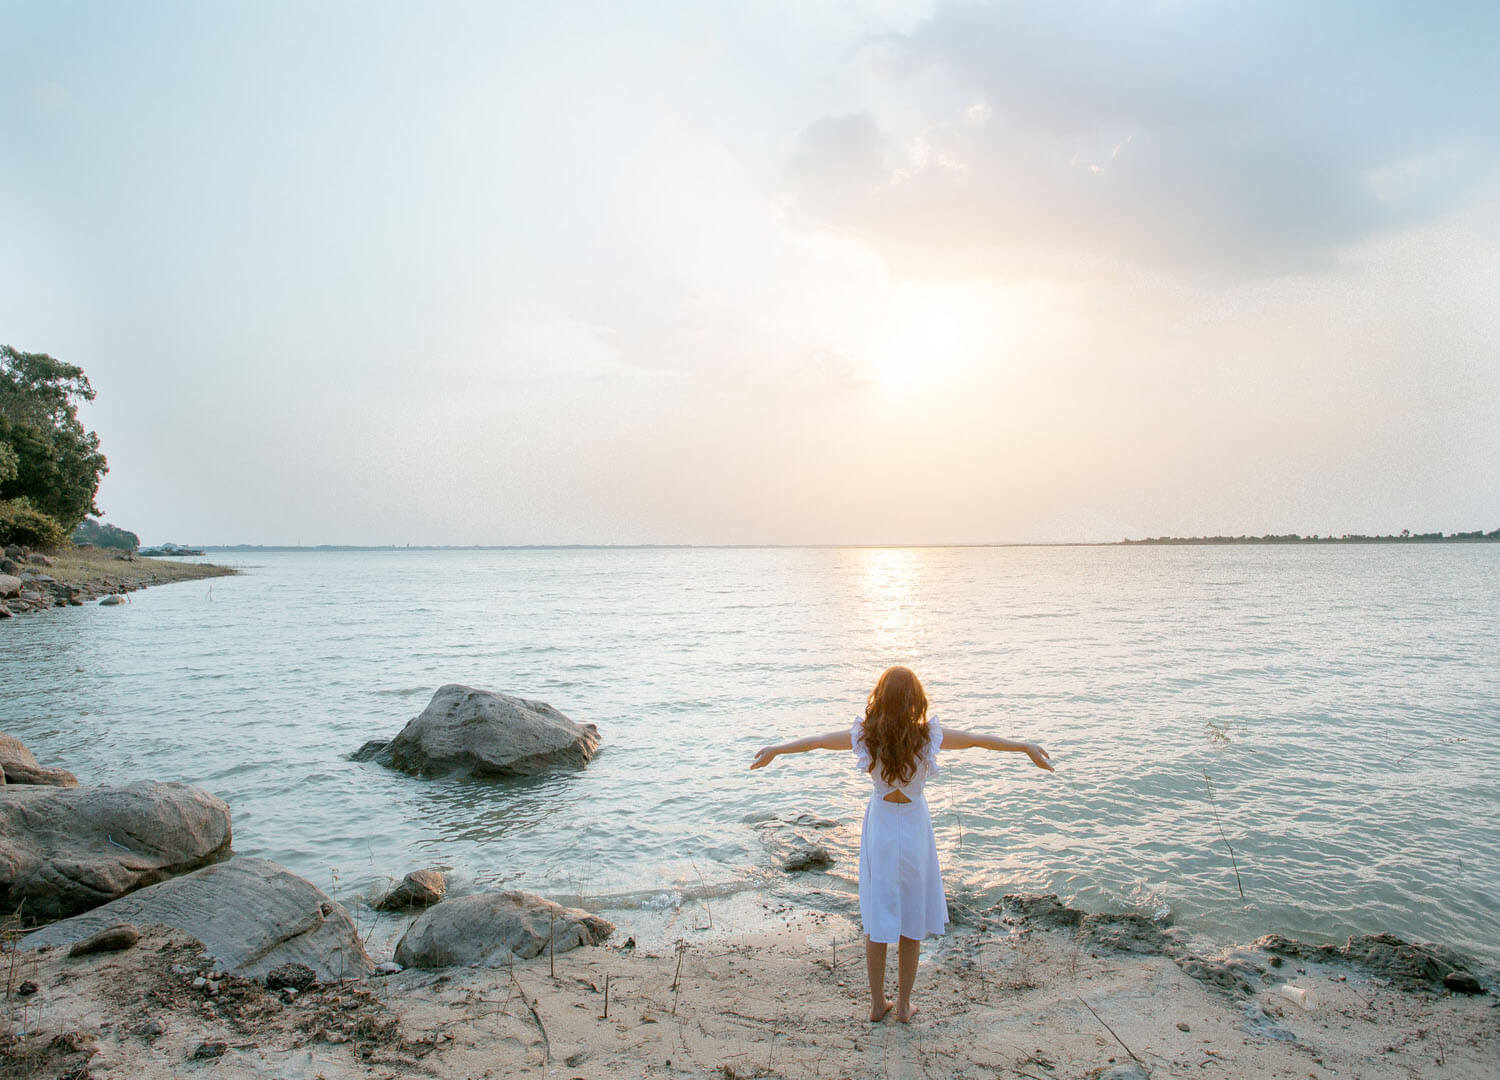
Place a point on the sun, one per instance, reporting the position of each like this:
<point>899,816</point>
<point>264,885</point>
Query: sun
<point>929,339</point>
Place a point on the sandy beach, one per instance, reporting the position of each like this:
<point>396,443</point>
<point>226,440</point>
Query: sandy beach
<point>1004,999</point>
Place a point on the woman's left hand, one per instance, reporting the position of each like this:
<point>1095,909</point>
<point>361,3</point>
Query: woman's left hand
<point>1039,757</point>
<point>763,757</point>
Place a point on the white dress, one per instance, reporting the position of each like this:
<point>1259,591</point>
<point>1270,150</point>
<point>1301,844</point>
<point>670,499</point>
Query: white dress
<point>900,885</point>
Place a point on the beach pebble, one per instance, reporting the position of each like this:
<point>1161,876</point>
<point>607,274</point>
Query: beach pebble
<point>211,1048</point>
<point>1461,982</point>
<point>292,976</point>
<point>199,983</point>
<point>114,939</point>
<point>27,988</point>
<point>151,1029</point>
<point>1182,1025</point>
<point>390,967</point>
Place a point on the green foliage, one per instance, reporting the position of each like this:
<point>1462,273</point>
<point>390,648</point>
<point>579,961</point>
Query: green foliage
<point>50,460</point>
<point>21,524</point>
<point>106,536</point>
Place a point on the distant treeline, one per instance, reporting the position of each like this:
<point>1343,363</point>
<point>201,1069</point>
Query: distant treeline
<point>1406,536</point>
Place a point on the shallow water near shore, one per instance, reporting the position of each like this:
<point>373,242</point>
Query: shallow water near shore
<point>1319,691</point>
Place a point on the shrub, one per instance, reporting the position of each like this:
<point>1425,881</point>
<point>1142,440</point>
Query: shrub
<point>20,524</point>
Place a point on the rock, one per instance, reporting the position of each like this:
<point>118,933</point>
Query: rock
<point>1182,1025</point>
<point>251,915</point>
<point>1220,976</point>
<point>9,586</point>
<point>111,600</point>
<point>420,888</point>
<point>1461,982</point>
<point>1404,962</point>
<point>66,850</point>
<point>1128,1071</point>
<point>211,1048</point>
<point>36,558</point>
<point>370,750</point>
<point>151,1029</point>
<point>389,968</point>
<point>5,613</point>
<point>796,850</point>
<point>1411,965</point>
<point>477,733</point>
<point>291,977</point>
<point>807,856</point>
<point>493,928</point>
<point>20,767</point>
<point>9,565</point>
<point>1128,933</point>
<point>27,988</point>
<point>1042,909</point>
<point>113,939</point>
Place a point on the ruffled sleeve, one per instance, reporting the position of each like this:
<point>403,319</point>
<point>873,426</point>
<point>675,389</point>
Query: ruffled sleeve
<point>934,742</point>
<point>857,739</point>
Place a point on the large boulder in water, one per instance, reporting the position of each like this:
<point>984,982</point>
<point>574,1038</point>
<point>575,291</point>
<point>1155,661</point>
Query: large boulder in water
<point>19,766</point>
<point>478,733</point>
<point>494,928</point>
<point>66,850</point>
<point>252,915</point>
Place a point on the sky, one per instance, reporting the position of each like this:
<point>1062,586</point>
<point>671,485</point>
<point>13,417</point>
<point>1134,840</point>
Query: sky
<point>862,271</point>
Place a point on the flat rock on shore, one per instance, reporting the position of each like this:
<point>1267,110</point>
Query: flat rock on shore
<point>252,915</point>
<point>66,850</point>
<point>496,928</point>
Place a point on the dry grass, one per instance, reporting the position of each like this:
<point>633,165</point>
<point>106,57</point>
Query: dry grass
<point>103,571</point>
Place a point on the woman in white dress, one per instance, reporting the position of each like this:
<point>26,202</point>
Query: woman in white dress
<point>901,899</point>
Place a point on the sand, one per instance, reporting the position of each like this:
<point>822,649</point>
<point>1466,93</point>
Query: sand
<point>1002,1001</point>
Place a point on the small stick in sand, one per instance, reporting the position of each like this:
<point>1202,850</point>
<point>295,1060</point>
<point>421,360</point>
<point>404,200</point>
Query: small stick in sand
<point>677,979</point>
<point>552,945</point>
<point>606,997</point>
<point>546,1042</point>
<point>1119,1040</point>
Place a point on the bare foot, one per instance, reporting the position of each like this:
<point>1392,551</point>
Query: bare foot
<point>878,1013</point>
<point>905,1017</point>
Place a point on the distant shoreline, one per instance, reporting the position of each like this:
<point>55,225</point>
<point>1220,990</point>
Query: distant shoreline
<point>1160,541</point>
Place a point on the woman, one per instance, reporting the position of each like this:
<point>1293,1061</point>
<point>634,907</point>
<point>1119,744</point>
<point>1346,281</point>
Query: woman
<point>901,897</point>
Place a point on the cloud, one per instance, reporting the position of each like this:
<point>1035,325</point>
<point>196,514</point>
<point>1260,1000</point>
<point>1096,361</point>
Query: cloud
<point>1232,140</point>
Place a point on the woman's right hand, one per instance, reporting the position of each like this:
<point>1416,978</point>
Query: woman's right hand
<point>763,757</point>
<point>1039,757</point>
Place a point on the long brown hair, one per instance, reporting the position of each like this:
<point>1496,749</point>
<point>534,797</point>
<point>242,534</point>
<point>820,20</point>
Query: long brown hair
<point>896,731</point>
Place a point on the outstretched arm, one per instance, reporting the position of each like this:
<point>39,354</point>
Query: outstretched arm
<point>953,739</point>
<point>833,740</point>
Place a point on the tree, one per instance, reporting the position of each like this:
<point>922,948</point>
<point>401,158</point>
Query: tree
<point>104,535</point>
<point>46,456</point>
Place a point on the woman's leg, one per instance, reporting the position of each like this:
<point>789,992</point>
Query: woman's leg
<point>875,968</point>
<point>907,952</point>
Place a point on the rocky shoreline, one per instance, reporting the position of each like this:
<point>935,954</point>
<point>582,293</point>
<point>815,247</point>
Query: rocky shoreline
<point>34,581</point>
<point>137,943</point>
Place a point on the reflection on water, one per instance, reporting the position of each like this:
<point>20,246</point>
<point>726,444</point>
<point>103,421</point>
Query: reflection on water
<point>1295,678</point>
